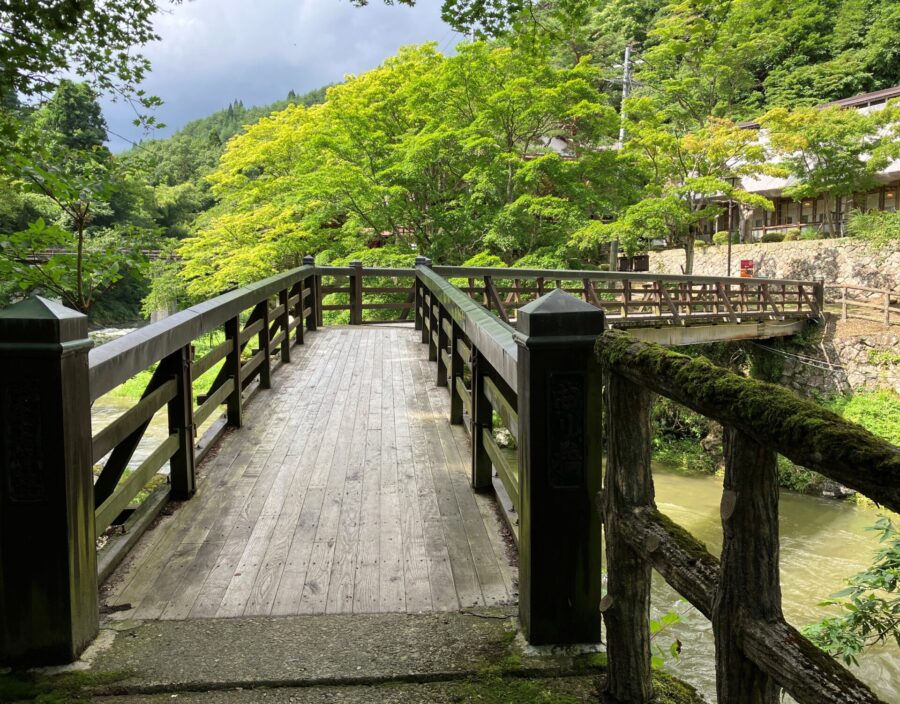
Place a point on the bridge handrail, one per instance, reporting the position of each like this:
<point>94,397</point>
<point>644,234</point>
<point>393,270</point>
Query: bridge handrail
<point>756,649</point>
<point>116,361</point>
<point>572,274</point>
<point>492,337</point>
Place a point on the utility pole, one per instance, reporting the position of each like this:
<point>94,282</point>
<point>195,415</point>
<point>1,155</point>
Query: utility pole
<point>626,89</point>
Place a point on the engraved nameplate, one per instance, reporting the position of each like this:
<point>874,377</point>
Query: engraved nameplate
<point>565,429</point>
<point>23,456</point>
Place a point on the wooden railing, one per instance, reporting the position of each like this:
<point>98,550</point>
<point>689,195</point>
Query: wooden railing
<point>257,323</point>
<point>863,303</point>
<point>757,652</point>
<point>344,289</point>
<point>633,298</point>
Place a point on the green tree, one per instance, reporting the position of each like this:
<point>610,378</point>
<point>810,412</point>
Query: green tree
<point>831,152</point>
<point>74,117</point>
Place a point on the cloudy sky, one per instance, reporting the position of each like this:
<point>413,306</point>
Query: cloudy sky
<point>215,51</point>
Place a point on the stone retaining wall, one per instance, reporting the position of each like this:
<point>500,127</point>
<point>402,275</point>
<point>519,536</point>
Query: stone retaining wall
<point>842,261</point>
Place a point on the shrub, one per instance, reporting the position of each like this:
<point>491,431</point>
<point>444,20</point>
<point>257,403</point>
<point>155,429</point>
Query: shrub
<point>791,235</point>
<point>880,227</point>
<point>809,233</point>
<point>720,238</point>
<point>701,244</point>
<point>773,237</point>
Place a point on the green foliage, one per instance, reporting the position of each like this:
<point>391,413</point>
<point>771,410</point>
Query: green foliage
<point>792,234</point>
<point>677,436</point>
<point>879,227</point>
<point>661,630</point>
<point>773,237</point>
<point>67,688</point>
<point>869,605</point>
<point>876,411</point>
<point>883,358</point>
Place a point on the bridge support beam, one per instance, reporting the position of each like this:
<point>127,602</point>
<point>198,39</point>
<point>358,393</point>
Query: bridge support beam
<point>559,412</point>
<point>48,556</point>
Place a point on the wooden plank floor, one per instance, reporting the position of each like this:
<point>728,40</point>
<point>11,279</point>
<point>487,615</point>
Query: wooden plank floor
<point>346,490</point>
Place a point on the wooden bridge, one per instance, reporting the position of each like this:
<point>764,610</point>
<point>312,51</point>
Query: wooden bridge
<point>330,466</point>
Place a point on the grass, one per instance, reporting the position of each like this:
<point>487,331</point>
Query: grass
<point>876,411</point>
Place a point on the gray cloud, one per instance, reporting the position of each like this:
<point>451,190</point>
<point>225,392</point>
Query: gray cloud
<point>215,51</point>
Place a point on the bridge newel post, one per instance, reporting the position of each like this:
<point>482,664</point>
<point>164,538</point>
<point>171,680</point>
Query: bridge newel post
<point>356,287</point>
<point>560,462</point>
<point>315,299</point>
<point>234,402</point>
<point>48,554</point>
<point>181,421</point>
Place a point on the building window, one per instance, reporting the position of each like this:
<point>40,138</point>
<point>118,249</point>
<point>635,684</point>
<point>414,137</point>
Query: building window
<point>873,201</point>
<point>890,198</point>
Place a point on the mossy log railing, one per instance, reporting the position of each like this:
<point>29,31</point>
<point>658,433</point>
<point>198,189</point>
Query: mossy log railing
<point>757,652</point>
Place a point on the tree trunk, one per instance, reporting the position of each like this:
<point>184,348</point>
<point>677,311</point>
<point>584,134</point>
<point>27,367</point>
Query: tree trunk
<point>689,255</point>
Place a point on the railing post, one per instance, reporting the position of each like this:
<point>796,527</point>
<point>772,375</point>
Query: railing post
<point>265,344</point>
<point>749,583</point>
<point>315,301</point>
<point>420,261</point>
<point>482,419</point>
<point>455,377</point>
<point>442,343</point>
<point>356,286</point>
<point>819,296</point>
<point>434,324</point>
<point>234,402</point>
<point>559,409</point>
<point>628,485</point>
<point>181,421</point>
<point>297,290</point>
<point>283,297</point>
<point>48,554</point>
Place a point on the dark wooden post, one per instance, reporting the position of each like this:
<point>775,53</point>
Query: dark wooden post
<point>434,320</point>
<point>420,261</point>
<point>234,402</point>
<point>181,421</point>
<point>628,484</point>
<point>48,553</point>
<point>749,584</point>
<point>265,344</point>
<point>297,310</point>
<point>356,286</point>
<point>559,408</point>
<point>315,302</point>
<point>443,342</point>
<point>456,376</point>
<point>482,419</point>
<point>283,297</point>
<point>427,302</point>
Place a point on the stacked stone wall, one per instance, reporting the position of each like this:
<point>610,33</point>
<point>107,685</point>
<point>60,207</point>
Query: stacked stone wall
<point>839,261</point>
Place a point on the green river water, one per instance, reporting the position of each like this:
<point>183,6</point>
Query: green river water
<point>823,541</point>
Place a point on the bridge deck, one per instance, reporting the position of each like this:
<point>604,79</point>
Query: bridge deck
<point>346,491</point>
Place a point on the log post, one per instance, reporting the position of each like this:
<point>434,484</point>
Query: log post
<point>482,419</point>
<point>356,286</point>
<point>559,408</point>
<point>234,402</point>
<point>315,301</point>
<point>48,554</point>
<point>749,585</point>
<point>628,485</point>
<point>181,421</point>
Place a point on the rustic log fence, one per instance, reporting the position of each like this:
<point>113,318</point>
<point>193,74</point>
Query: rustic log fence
<point>878,305</point>
<point>757,652</point>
